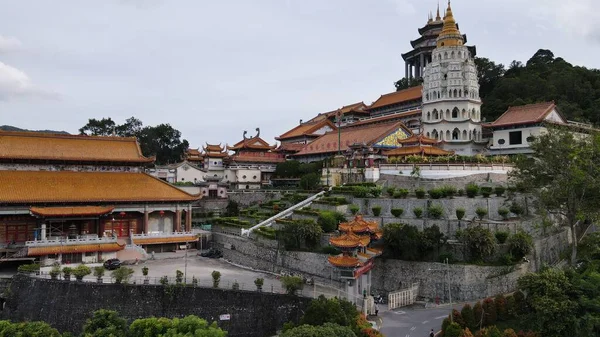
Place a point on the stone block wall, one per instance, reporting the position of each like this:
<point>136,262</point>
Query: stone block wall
<point>66,305</point>
<point>411,183</point>
<point>245,199</point>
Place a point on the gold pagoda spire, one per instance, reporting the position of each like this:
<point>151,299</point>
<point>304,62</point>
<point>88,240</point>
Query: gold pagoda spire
<point>450,35</point>
<point>437,17</point>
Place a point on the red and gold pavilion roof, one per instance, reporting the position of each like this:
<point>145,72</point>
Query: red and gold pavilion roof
<point>417,150</point>
<point>84,248</point>
<point>350,240</point>
<point>359,225</point>
<point>344,261</point>
<point>71,211</point>
<point>418,139</point>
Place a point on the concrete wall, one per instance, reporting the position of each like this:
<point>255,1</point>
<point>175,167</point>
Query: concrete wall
<point>411,183</point>
<point>263,255</point>
<point>66,305</point>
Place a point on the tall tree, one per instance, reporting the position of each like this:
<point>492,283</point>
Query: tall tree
<point>488,74</point>
<point>164,142</point>
<point>564,173</point>
<point>102,127</point>
<point>131,128</point>
<point>406,83</point>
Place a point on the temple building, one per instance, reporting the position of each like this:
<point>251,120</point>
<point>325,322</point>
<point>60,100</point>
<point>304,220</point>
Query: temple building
<point>294,140</point>
<point>416,60</point>
<point>71,199</point>
<point>357,258</point>
<point>417,145</point>
<point>183,172</point>
<point>252,163</point>
<point>451,109</point>
<point>404,104</point>
<point>213,160</point>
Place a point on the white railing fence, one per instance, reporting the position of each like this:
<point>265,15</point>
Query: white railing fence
<point>403,297</point>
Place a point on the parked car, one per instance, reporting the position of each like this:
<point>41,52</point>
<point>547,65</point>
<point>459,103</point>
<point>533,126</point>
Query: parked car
<point>112,264</point>
<point>212,253</point>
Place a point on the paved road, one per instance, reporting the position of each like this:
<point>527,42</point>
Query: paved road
<point>406,322</point>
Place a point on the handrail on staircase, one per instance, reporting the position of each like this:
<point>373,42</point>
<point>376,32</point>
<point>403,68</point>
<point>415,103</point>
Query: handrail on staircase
<point>284,213</point>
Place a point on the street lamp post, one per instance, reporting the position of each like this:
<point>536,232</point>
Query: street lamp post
<point>447,281</point>
<point>185,266</point>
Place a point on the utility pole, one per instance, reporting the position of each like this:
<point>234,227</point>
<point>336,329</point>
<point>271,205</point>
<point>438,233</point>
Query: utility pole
<point>449,290</point>
<point>185,267</point>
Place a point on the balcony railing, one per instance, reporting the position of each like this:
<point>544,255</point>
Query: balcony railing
<point>161,235</point>
<point>64,241</point>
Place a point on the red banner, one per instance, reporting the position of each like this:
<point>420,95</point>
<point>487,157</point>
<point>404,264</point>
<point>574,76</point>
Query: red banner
<point>368,266</point>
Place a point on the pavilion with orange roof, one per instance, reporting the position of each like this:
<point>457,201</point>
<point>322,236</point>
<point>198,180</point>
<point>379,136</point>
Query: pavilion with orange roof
<point>356,260</point>
<point>417,145</point>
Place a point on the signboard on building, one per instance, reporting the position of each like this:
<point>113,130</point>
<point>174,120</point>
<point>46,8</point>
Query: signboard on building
<point>225,317</point>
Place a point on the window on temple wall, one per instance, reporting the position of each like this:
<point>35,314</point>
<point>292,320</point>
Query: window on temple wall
<point>435,114</point>
<point>470,136</point>
<point>455,93</point>
<point>448,135</point>
<point>435,134</point>
<point>455,134</point>
<point>464,113</point>
<point>455,112</point>
<point>452,55</point>
<point>428,115</point>
<point>428,135</point>
<point>446,55</point>
<point>464,135</point>
<point>460,93</point>
<point>473,114</point>
<point>447,113</point>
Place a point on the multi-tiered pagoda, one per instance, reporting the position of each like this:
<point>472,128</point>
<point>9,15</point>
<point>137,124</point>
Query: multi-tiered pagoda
<point>356,260</point>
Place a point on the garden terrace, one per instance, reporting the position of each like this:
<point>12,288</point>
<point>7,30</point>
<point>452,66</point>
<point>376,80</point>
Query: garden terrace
<point>335,201</point>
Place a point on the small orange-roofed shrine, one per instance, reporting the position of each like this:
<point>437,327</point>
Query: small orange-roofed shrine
<point>356,260</point>
<point>417,145</point>
<point>77,198</point>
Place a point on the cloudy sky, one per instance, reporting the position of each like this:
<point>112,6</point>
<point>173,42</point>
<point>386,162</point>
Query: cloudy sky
<point>215,68</point>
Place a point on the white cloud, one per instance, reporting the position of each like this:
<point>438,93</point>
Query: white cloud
<point>575,17</point>
<point>15,83</point>
<point>404,7</point>
<point>9,43</point>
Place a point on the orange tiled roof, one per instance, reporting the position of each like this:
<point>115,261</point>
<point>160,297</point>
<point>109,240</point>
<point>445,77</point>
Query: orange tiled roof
<point>255,143</point>
<point>76,187</point>
<point>194,152</point>
<point>344,261</point>
<point>418,139</point>
<point>375,251</point>
<point>396,97</point>
<point>247,158</point>
<point>368,134</point>
<point>289,147</point>
<point>174,239</point>
<point>356,107</point>
<point>359,225</point>
<point>386,118</point>
<point>213,148</point>
<point>306,129</point>
<point>524,114</point>
<point>350,240</point>
<point>69,211</point>
<point>48,146</point>
<point>64,249</point>
<point>417,150</point>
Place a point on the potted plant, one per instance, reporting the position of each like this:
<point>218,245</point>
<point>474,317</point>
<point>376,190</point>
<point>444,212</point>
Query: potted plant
<point>99,272</point>
<point>54,272</point>
<point>67,273</point>
<point>164,280</point>
<point>460,213</point>
<point>194,281</point>
<point>216,276</point>
<point>178,277</point>
<point>81,271</point>
<point>259,283</point>
<point>481,212</point>
<point>122,275</point>
<point>145,273</point>
<point>235,285</point>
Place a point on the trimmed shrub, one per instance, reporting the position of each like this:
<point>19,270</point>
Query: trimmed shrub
<point>453,330</point>
<point>491,316</point>
<point>449,256</point>
<point>481,212</point>
<point>435,193</point>
<point>435,211</point>
<point>468,316</point>
<point>331,250</point>
<point>448,191</point>
<point>460,192</point>
<point>418,211</point>
<point>292,284</point>
<point>122,275</point>
<point>354,209</point>
<point>216,276</point>
<point>501,309</point>
<point>503,212</point>
<point>472,190</point>
<point>499,190</point>
<point>390,191</point>
<point>327,221</point>
<point>520,305</point>
<point>478,312</point>
<point>376,210</point>
<point>401,193</point>
<point>397,212</point>
<point>520,244</point>
<point>501,236</point>
<point>460,213</point>
<point>486,191</point>
<point>420,193</point>
<point>81,271</point>
<point>511,309</point>
<point>516,209</point>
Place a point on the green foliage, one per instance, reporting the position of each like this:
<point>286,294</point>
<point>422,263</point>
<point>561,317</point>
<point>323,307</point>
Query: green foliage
<point>406,242</point>
<point>55,271</point>
<point>516,209</point>
<point>486,191</point>
<point>501,236</point>
<point>164,280</point>
<point>329,220</point>
<point>292,284</point>
<point>511,307</point>
<point>435,211</point>
<point>176,327</point>
<point>478,313</point>
<point>310,181</point>
<point>216,277</point>
<point>407,82</point>
<point>27,329</point>
<point>29,268</point>
<point>481,212</point>
<point>259,282</point>
<point>468,316</point>
<point>81,271</point>
<point>520,244</point>
<point>376,210</point>
<point>453,330</point>
<point>335,310</point>
<point>67,271</point>
<point>354,209</point>
<point>472,190</point>
<point>288,169</point>
<point>164,142</point>
<point>99,271</point>
<point>178,276</point>
<point>122,274</point>
<point>105,323</point>
<point>331,250</point>
<point>501,307</point>
<point>397,212</point>
<point>418,212</point>
<point>420,193</point>
<point>401,193</point>
<point>326,330</point>
<point>503,212</point>
<point>460,213</point>
<point>145,270</point>
<point>436,193</point>
<point>235,285</point>
<point>390,191</point>
<point>491,315</point>
<point>448,191</point>
<point>499,190</point>
<point>301,233</point>
<point>232,209</point>
<point>480,242</point>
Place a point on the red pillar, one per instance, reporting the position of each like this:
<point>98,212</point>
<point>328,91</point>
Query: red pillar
<point>178,220</point>
<point>188,221</point>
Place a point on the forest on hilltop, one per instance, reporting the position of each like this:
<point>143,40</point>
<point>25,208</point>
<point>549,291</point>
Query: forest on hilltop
<point>575,89</point>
